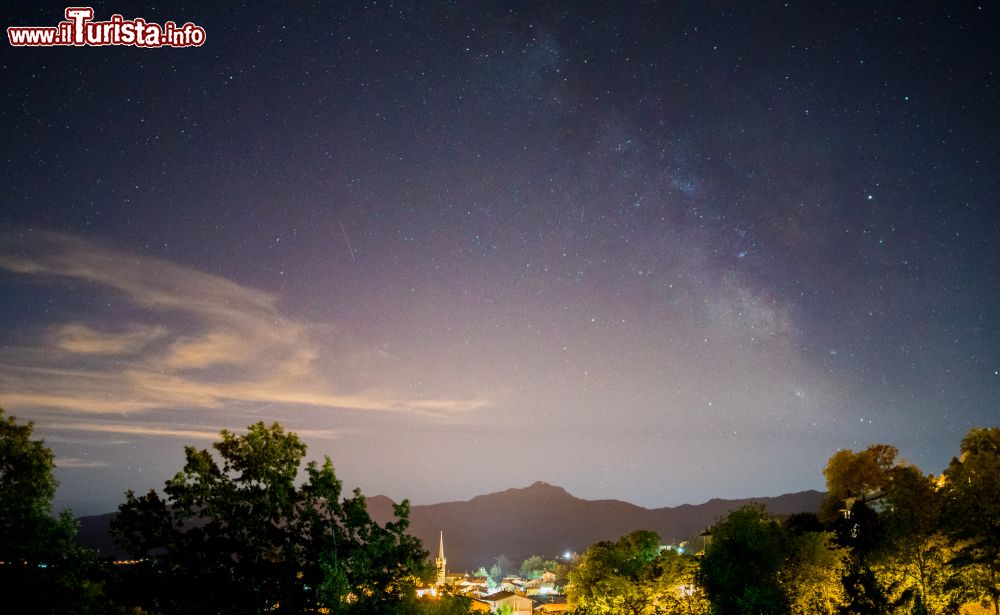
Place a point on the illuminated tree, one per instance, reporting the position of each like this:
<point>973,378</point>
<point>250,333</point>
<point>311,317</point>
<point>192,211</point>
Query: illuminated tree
<point>813,574</point>
<point>536,565</point>
<point>531,568</point>
<point>618,577</point>
<point>443,604</point>
<point>27,487</point>
<point>633,577</point>
<point>495,580</point>
<point>850,479</point>
<point>851,475</point>
<point>678,589</point>
<point>972,510</point>
<point>242,537</point>
<point>918,577</point>
<point>913,564</point>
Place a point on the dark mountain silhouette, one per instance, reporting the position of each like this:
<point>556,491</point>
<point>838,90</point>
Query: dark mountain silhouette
<point>95,533</point>
<point>541,519</point>
<point>546,520</point>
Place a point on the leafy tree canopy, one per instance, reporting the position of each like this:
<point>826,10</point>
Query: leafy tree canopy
<point>971,505</point>
<point>238,535</point>
<point>631,576</point>
<point>43,564</point>
<point>755,564</point>
<point>536,565</point>
<point>850,475</point>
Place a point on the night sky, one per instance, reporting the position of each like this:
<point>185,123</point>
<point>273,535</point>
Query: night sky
<point>659,252</point>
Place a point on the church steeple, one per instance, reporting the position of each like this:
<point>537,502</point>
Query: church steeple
<point>441,562</point>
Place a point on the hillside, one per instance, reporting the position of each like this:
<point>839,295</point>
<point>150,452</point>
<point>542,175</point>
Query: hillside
<point>547,520</point>
<point>539,519</point>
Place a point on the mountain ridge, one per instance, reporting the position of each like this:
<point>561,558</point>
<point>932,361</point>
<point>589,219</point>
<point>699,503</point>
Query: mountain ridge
<point>538,519</point>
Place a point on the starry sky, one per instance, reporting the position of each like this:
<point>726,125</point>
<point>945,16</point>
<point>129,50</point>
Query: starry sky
<point>660,252</point>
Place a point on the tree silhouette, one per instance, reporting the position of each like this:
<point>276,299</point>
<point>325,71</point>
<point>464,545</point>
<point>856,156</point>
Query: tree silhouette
<point>242,537</point>
<point>43,569</point>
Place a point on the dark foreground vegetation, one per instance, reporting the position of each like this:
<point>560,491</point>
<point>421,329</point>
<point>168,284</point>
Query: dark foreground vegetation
<point>233,532</point>
<point>236,531</point>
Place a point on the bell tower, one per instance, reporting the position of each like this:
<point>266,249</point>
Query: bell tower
<point>441,562</point>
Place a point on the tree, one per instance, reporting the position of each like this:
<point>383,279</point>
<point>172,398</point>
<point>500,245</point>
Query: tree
<point>755,564</point>
<point>813,573</point>
<point>495,580</point>
<point>618,577</point>
<point>741,566</point>
<point>44,570</point>
<point>912,565</point>
<point>531,568</point>
<point>503,564</point>
<point>536,565</point>
<point>442,604</point>
<point>27,487</point>
<point>852,475</point>
<point>971,506</point>
<point>851,479</point>
<point>242,537</point>
<point>678,589</point>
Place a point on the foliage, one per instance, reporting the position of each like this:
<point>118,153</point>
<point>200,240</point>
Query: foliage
<point>26,487</point>
<point>495,578</point>
<point>536,565</point>
<point>449,605</point>
<point>925,546</point>
<point>741,566</point>
<point>913,565</point>
<point>971,506</point>
<point>755,564</point>
<point>242,537</point>
<point>563,567</point>
<point>850,475</point>
<point>632,577</point>
<point>237,531</point>
<point>678,589</point>
<point>43,569</point>
<point>917,578</point>
<point>813,573</point>
<point>445,604</point>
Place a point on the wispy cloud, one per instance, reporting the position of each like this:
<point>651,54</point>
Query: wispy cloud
<point>172,431</point>
<point>76,462</point>
<point>213,344</point>
<point>79,338</point>
<point>136,430</point>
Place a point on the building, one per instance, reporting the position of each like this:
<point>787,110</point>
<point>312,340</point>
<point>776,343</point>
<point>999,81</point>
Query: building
<point>441,563</point>
<point>873,498</point>
<point>554,607</point>
<point>552,603</point>
<point>519,605</point>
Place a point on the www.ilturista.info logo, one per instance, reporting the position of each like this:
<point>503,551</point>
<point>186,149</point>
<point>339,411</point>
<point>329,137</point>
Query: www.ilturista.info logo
<point>81,30</point>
